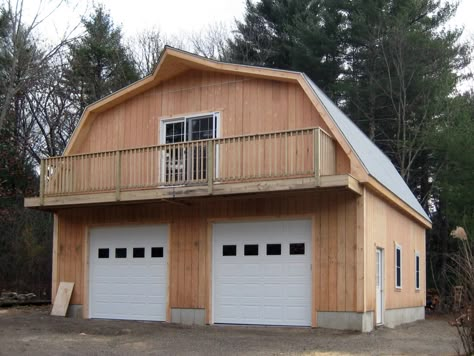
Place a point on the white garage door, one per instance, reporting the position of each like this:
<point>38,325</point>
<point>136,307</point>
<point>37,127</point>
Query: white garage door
<point>262,273</point>
<point>128,272</point>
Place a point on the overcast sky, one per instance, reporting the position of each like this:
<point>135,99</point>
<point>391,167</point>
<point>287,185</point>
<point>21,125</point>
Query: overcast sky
<point>176,17</point>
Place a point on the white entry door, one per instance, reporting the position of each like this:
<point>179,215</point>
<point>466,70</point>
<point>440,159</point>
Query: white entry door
<point>379,282</point>
<point>262,272</point>
<point>128,272</point>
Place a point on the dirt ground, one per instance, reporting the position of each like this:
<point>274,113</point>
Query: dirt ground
<point>31,331</point>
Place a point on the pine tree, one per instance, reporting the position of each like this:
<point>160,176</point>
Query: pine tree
<point>302,35</point>
<point>99,62</point>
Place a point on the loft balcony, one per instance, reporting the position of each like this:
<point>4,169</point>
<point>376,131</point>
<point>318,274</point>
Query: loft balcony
<point>277,161</point>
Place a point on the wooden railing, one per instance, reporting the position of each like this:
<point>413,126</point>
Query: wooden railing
<point>278,155</point>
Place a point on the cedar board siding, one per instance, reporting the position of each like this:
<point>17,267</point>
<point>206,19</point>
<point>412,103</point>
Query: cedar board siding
<point>334,242</point>
<point>246,105</point>
<point>387,226</point>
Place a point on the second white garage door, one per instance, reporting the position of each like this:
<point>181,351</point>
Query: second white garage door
<point>128,272</point>
<point>262,272</point>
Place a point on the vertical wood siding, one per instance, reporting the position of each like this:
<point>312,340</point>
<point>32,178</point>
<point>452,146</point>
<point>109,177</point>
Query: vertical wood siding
<point>334,233</point>
<point>386,227</point>
<point>247,106</point>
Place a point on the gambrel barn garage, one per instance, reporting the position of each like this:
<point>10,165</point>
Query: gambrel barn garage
<point>211,192</point>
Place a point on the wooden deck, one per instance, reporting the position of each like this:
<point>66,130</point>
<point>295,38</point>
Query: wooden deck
<point>288,160</point>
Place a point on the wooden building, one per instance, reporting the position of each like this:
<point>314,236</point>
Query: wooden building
<point>219,193</point>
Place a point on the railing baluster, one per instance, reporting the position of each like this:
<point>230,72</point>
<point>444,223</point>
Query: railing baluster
<point>316,153</point>
<point>190,160</point>
<point>210,165</point>
<point>118,174</point>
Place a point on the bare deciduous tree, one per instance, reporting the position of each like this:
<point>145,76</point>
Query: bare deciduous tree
<point>146,49</point>
<point>211,42</point>
<point>23,61</point>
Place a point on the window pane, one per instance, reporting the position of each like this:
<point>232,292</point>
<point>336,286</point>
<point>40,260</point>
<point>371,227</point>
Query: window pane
<point>201,128</point>
<point>120,253</point>
<point>273,249</point>
<point>174,132</point>
<point>251,250</point>
<point>138,252</point>
<point>297,249</point>
<point>398,257</point>
<point>229,250</point>
<point>399,277</point>
<point>417,272</point>
<point>157,252</point>
<point>103,253</point>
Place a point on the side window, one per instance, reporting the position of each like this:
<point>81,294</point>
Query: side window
<point>398,266</point>
<point>417,270</point>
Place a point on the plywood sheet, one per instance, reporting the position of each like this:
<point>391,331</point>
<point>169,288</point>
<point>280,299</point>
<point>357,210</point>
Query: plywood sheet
<point>61,302</point>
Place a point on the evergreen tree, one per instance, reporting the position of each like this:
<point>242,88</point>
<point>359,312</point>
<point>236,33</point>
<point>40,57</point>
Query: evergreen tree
<point>303,35</point>
<point>402,67</point>
<point>99,62</point>
<point>452,201</point>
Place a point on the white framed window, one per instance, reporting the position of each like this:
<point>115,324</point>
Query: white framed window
<point>417,270</point>
<point>187,163</point>
<point>398,266</point>
<point>190,128</point>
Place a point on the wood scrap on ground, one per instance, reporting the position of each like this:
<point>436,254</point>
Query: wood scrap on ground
<point>63,296</point>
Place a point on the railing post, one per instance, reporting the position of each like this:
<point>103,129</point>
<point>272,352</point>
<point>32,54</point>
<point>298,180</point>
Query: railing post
<point>118,173</point>
<point>42,181</point>
<point>210,165</point>
<point>317,155</point>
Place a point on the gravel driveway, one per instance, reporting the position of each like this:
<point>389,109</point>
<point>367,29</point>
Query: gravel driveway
<point>32,331</point>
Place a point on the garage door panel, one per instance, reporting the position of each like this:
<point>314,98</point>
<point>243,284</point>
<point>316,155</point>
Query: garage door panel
<point>297,291</point>
<point>273,268</point>
<point>272,288</point>
<point>272,291</point>
<point>273,312</point>
<point>130,287</point>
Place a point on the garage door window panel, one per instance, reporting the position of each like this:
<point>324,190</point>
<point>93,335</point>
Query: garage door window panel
<point>103,253</point>
<point>251,250</point>
<point>273,249</point>
<point>157,252</point>
<point>297,249</point>
<point>138,252</point>
<point>229,250</point>
<point>120,253</point>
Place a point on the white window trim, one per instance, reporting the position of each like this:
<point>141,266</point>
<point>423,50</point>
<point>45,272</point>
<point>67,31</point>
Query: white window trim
<point>164,121</point>
<point>398,248</point>
<point>217,117</point>
<point>417,256</point>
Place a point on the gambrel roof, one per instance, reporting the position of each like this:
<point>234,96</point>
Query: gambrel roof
<point>377,164</point>
<point>370,163</point>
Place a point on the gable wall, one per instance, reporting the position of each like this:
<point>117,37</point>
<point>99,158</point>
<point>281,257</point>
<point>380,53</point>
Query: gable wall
<point>247,106</point>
